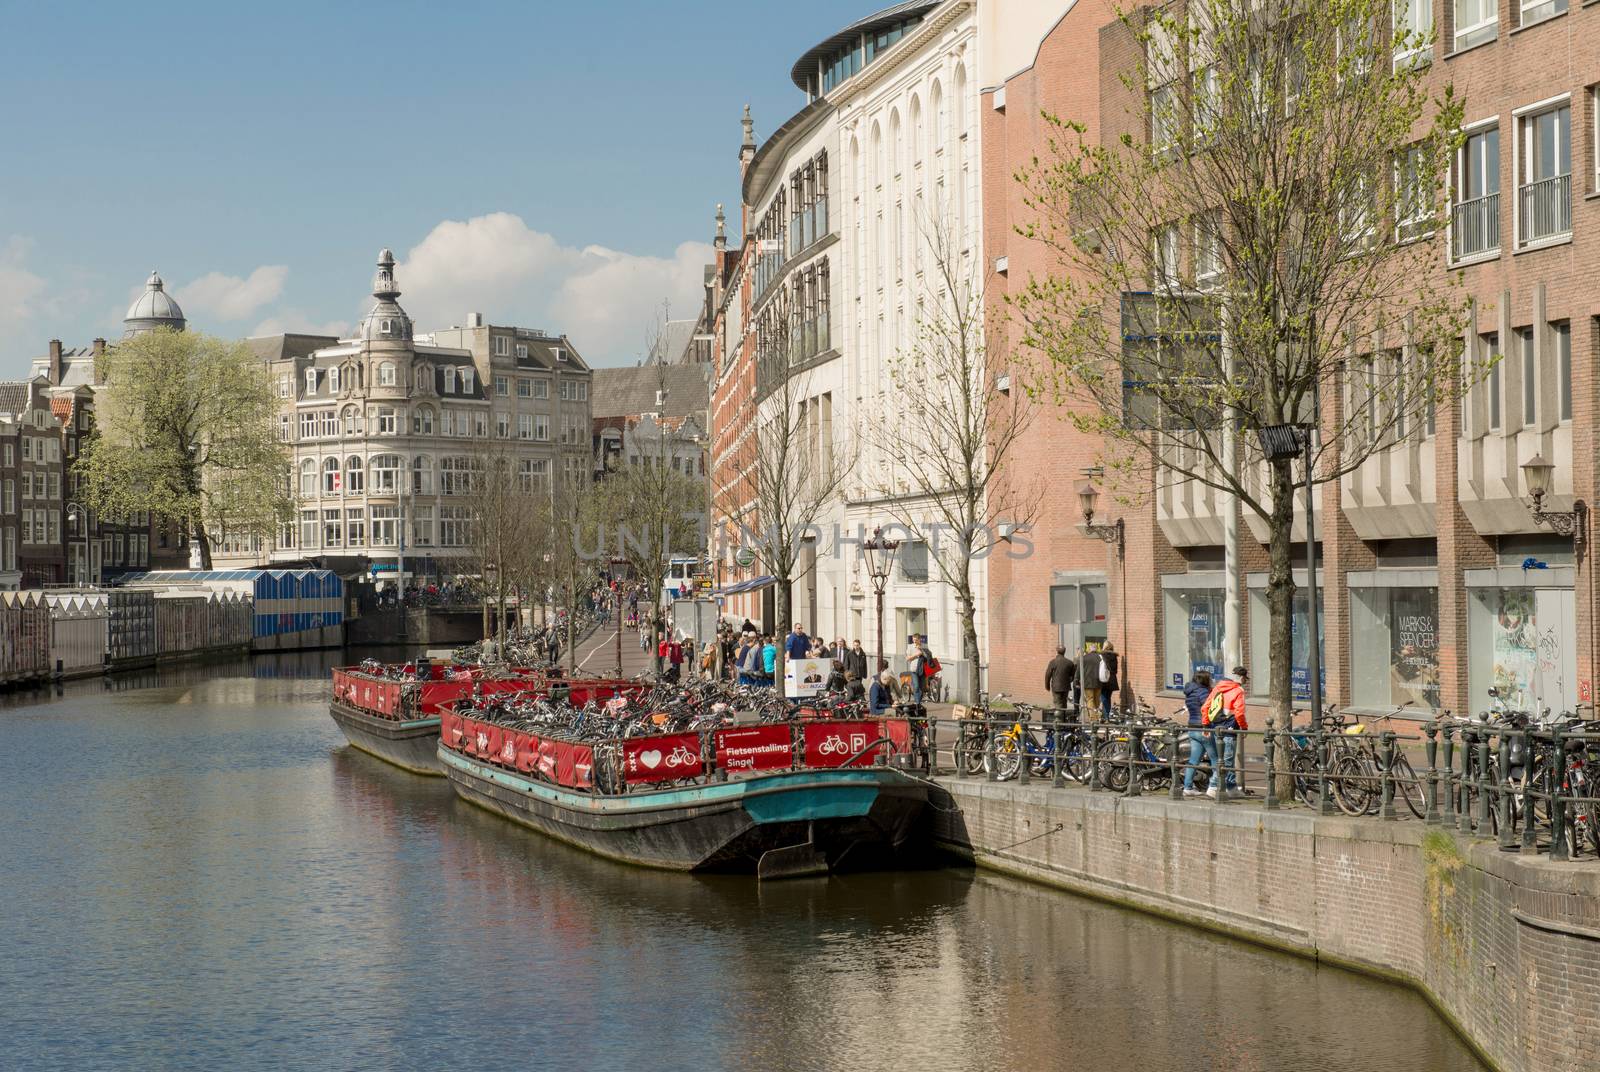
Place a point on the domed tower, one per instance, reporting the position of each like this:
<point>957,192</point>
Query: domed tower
<point>153,309</point>
<point>386,322</point>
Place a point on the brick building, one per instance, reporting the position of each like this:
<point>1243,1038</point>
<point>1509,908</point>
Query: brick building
<point>1437,582</point>
<point>32,472</point>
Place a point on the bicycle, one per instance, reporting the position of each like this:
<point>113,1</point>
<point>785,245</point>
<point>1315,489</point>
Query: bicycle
<point>1361,768</point>
<point>1013,744</point>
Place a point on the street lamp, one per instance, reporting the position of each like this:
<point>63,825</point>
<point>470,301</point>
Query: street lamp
<point>79,514</point>
<point>880,561</point>
<point>1539,476</point>
<point>1280,442</point>
<point>1089,499</point>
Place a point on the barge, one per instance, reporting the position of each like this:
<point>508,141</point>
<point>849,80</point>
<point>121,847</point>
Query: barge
<point>777,799</point>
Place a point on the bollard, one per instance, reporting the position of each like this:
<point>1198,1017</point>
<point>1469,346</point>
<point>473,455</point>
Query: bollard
<point>1469,747</point>
<point>1447,788</point>
<point>1175,790</point>
<point>1530,828</point>
<point>1430,785</point>
<point>1387,810</point>
<point>931,727</point>
<point>1502,797</point>
<point>990,765</point>
<point>1324,754</point>
<point>1484,782</point>
<point>1270,747</point>
<point>1135,753</point>
<point>1558,803</point>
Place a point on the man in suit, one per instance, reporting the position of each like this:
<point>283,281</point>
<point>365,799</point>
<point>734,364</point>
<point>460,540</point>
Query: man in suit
<point>1058,679</point>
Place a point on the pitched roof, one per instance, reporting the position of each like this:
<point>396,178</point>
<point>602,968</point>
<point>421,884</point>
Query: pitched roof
<point>276,347</point>
<point>627,392</point>
<point>14,396</point>
<point>61,406</point>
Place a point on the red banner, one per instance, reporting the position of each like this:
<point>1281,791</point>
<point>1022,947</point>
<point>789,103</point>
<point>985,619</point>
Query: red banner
<point>661,759</point>
<point>753,748</point>
<point>832,744</point>
<point>450,729</point>
<point>898,730</point>
<point>575,766</point>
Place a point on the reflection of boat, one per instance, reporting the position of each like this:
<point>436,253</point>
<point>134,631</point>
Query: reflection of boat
<point>802,807</point>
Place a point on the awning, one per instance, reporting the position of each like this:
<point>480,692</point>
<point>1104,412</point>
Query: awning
<point>754,584</point>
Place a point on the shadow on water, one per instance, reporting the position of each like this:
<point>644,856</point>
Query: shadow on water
<point>212,878</point>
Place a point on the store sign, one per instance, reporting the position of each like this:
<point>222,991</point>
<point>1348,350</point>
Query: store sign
<point>753,748</point>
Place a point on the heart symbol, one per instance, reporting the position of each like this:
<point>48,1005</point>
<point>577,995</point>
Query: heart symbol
<point>650,759</point>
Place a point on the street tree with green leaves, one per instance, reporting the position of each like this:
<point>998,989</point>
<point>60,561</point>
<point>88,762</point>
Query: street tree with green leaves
<point>185,428</point>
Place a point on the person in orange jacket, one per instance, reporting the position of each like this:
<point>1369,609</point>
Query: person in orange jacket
<point>1224,710</point>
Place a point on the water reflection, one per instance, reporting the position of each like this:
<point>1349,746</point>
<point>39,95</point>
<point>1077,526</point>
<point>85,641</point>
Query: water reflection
<point>204,876</point>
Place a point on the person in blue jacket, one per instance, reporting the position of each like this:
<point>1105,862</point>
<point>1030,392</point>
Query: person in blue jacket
<point>1202,742</point>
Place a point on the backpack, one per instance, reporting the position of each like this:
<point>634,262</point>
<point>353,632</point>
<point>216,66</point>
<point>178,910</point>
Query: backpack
<point>1215,709</point>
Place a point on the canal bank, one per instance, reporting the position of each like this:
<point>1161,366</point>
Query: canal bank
<point>1504,946</point>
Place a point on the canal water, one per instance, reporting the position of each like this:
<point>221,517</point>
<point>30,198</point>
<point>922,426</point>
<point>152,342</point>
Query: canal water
<point>198,873</point>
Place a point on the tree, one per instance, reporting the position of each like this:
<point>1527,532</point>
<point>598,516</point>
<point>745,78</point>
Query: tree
<point>1298,161</point>
<point>955,427</point>
<point>505,530</point>
<point>185,429</point>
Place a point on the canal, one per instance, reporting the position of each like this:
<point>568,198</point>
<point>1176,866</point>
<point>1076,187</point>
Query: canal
<point>200,874</point>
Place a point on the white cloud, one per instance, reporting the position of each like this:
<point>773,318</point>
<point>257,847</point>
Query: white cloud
<point>215,296</point>
<point>22,293</point>
<point>604,299</point>
<point>299,322</point>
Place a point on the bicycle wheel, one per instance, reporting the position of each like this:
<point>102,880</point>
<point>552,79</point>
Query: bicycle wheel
<point>1113,756</point>
<point>1303,769</point>
<point>972,754</point>
<point>1006,759</point>
<point>1352,785</point>
<point>1408,786</point>
<point>1075,757</point>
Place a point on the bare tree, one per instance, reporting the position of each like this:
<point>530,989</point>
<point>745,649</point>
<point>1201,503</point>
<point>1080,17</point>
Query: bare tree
<point>1297,162</point>
<point>956,423</point>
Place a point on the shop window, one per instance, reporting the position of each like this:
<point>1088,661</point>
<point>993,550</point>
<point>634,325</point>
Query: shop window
<point>1394,639</point>
<point>1194,633</point>
<point>1299,645</point>
<point>1523,643</point>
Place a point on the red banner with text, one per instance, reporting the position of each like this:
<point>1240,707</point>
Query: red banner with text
<point>754,748</point>
<point>661,759</point>
<point>833,744</point>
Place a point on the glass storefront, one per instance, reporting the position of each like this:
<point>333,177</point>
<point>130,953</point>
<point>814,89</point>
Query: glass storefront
<point>1394,641</point>
<point>1193,630</point>
<point>1300,644</point>
<point>1523,642</point>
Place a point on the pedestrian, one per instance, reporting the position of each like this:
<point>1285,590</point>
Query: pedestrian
<point>1202,742</point>
<point>797,645</point>
<point>1224,713</point>
<point>675,657</point>
<point>553,647</point>
<point>1089,683</point>
<point>880,698</point>
<point>855,661</point>
<point>769,660</point>
<point>920,661</point>
<point>1059,677</point>
<point>1108,677</point>
<point>750,662</point>
<point>852,686</point>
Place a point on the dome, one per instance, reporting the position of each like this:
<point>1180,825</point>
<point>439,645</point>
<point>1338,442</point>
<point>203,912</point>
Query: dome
<point>153,309</point>
<point>386,321</point>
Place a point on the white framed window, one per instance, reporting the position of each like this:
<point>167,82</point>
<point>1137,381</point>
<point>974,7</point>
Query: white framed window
<point>1544,175</point>
<point>502,425</point>
<point>329,421</point>
<point>1207,251</point>
<point>330,476</point>
<point>1413,196</point>
<point>355,479</point>
<point>332,528</point>
<point>1538,10</point>
<point>447,422</point>
<point>311,381</point>
<point>422,475</point>
<point>352,421</point>
<point>1355,215</point>
<point>541,427</point>
<point>561,355</point>
<point>522,351</point>
<point>541,388</point>
<point>1475,198</point>
<point>386,376</point>
<point>564,389</point>
<point>333,380</point>
<point>355,527</point>
<point>502,386</point>
<point>385,473</point>
<point>422,526</point>
<point>285,385</point>
<point>482,426</point>
<point>308,424</point>
<point>524,388</point>
<point>502,345</point>
<point>467,375</point>
<point>1413,23</point>
<point>422,421</point>
<point>387,424</point>
<point>385,526</point>
<point>1477,21</point>
<point>524,426</point>
<point>583,392</point>
<point>1164,256</point>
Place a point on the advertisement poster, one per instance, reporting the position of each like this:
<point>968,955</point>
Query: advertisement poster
<point>805,677</point>
<point>1414,647</point>
<point>1516,648</point>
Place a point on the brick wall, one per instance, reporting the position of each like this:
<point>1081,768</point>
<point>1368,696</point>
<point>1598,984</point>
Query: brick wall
<point>1504,946</point>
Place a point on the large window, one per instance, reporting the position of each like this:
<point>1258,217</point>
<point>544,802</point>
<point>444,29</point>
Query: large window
<point>1538,10</point>
<point>385,473</point>
<point>1193,631</point>
<point>308,479</point>
<point>1300,643</point>
<point>455,526</point>
<point>308,529</point>
<point>1413,22</point>
<point>1413,195</point>
<point>1475,217</point>
<point>354,478</point>
<point>385,526</point>
<point>355,528</point>
<point>1523,642</point>
<point>330,476</point>
<point>332,528</point>
<point>422,475</point>
<point>1477,21</point>
<point>1544,181</point>
<point>1394,637</point>
<point>457,475</point>
<point>914,561</point>
<point>422,526</point>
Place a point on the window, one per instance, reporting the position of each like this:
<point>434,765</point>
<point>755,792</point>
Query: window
<point>524,388</point>
<point>467,375</point>
<point>455,526</point>
<point>333,380</point>
<point>386,374</point>
<point>447,422</point>
<point>1413,196</point>
<point>352,422</point>
<point>385,473</point>
<point>8,500</point>
<point>355,528</point>
<point>1299,640</point>
<point>330,476</point>
<point>1164,254</point>
<point>285,385</point>
<point>1413,24</point>
<point>1475,217</point>
<point>332,528</point>
<point>457,476</point>
<point>1563,347</point>
<point>541,427</point>
<point>502,386</point>
<point>1395,645</point>
<point>541,388</point>
<point>914,561</point>
<point>1355,215</point>
<point>481,422</point>
<point>1207,251</point>
<point>1530,378</point>
<point>308,425</point>
<point>1491,383</point>
<point>502,425</point>
<point>27,484</point>
<point>564,389</point>
<point>422,526</point>
<point>387,425</point>
<point>583,391</point>
<point>1544,187</point>
<point>354,477</point>
<point>1477,21</point>
<point>328,421</point>
<point>1538,10</point>
<point>524,426</point>
<point>311,381</point>
<point>285,428</point>
<point>422,421</point>
<point>1519,640</point>
<point>502,345</point>
<point>522,351</point>
<point>308,479</point>
<point>561,355</point>
<point>422,475</point>
<point>385,526</point>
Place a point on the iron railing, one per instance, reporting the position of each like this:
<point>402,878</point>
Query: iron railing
<point>1475,226</point>
<point>1545,209</point>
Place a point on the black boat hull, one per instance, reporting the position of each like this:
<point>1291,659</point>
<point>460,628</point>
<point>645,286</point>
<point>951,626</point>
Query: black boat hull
<point>862,817</point>
<point>413,745</point>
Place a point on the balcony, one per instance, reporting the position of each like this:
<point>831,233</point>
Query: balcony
<point>1545,210</point>
<point>1475,227</point>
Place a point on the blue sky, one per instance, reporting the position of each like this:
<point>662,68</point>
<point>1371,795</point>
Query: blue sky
<point>551,165</point>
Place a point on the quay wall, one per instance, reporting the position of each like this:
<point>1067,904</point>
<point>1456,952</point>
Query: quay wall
<point>1506,947</point>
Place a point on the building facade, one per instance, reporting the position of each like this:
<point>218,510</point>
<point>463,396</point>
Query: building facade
<point>32,478</point>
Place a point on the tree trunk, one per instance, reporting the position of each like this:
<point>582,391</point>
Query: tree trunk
<point>969,633</point>
<point>781,611</point>
<point>1280,605</point>
<point>203,540</point>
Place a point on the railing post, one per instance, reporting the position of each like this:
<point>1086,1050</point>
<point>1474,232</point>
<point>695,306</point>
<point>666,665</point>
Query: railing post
<point>1502,796</point>
<point>1430,787</point>
<point>960,752</point>
<point>1387,810</point>
<point>1558,803</point>
<point>1175,790</point>
<point>990,763</point>
<point>1025,761</point>
<point>931,728</point>
<point>1448,787</point>
<point>1269,746</point>
<point>1095,777</point>
<point>1135,753</point>
<point>1530,827</point>
<point>1484,781</point>
<point>1057,732</point>
<point>1469,748</point>
<point>1324,754</point>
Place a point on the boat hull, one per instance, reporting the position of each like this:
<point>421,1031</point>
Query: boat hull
<point>850,818</point>
<point>413,745</point>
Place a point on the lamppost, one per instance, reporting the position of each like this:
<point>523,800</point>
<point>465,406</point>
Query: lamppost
<point>1538,476</point>
<point>490,573</point>
<point>880,560</point>
<point>80,515</point>
<point>1114,534</point>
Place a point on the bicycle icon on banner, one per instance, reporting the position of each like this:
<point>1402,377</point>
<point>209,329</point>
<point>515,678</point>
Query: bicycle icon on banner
<point>682,757</point>
<point>835,745</point>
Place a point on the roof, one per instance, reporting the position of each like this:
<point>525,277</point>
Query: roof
<point>278,347</point>
<point>61,406</point>
<point>806,65</point>
<point>627,392</point>
<point>14,395</point>
<point>673,341</point>
<point>155,303</point>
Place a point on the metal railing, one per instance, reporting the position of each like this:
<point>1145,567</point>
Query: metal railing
<point>1532,789</point>
<point>1545,209</point>
<point>1475,226</point>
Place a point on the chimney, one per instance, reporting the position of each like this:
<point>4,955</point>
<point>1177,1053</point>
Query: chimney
<point>99,361</point>
<point>54,371</point>
<point>474,320</point>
